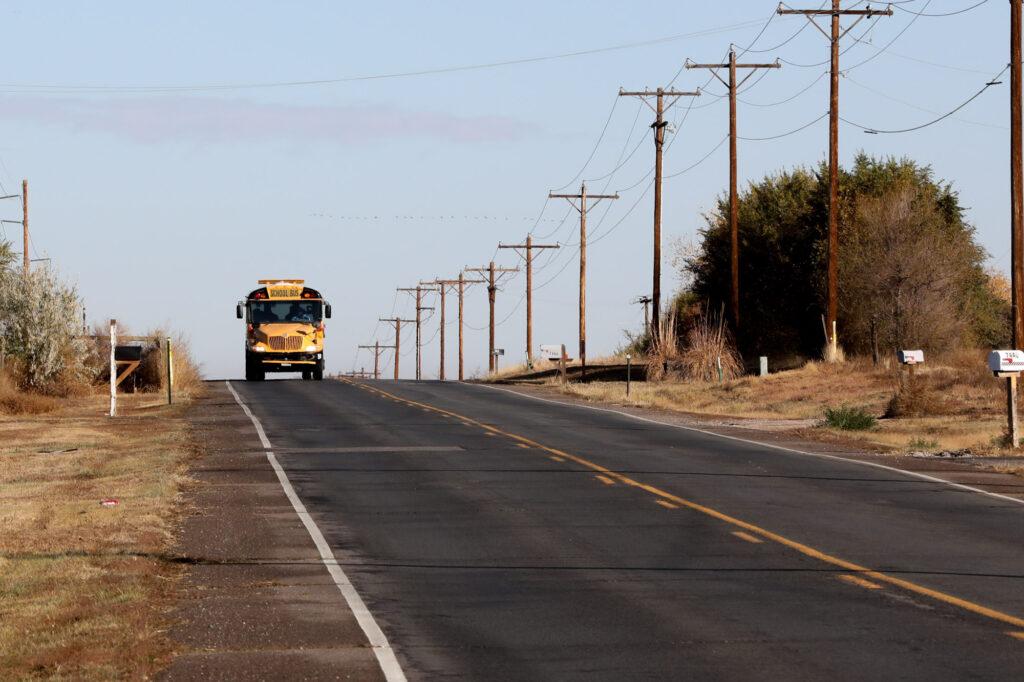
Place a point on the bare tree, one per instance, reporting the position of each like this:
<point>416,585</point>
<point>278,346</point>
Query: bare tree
<point>907,270</point>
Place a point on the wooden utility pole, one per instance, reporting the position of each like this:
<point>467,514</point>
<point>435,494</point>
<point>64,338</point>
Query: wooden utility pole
<point>734,210</point>
<point>459,286</point>
<point>398,322</point>
<point>1016,176</point>
<point>24,227</point>
<point>492,290</point>
<point>582,208</point>
<point>659,124</point>
<point>461,283</point>
<point>645,300</point>
<point>528,248</point>
<point>836,34</point>
<point>26,262</point>
<point>419,289</point>
<point>377,348</point>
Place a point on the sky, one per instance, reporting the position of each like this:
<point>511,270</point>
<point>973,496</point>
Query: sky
<point>178,152</point>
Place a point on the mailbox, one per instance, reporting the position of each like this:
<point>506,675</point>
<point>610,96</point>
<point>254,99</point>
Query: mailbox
<point>1006,361</point>
<point>910,357</point>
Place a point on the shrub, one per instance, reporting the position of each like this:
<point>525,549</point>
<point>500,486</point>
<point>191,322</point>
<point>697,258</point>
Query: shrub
<point>39,317</point>
<point>849,418</point>
<point>708,346</point>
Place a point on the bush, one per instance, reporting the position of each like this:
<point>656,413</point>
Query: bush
<point>911,273</point>
<point>39,328</point>
<point>849,418</point>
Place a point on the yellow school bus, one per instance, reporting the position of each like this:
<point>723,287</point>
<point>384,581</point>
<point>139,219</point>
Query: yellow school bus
<point>284,329</point>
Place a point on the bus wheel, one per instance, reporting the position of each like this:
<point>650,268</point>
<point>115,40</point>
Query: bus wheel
<point>318,373</point>
<point>306,375</point>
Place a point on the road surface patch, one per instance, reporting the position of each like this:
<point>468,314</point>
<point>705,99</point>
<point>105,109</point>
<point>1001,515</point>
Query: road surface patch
<point>806,550</point>
<point>378,640</point>
<point>747,537</point>
<point>859,582</point>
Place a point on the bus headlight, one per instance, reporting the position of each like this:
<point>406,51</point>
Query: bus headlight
<point>259,348</point>
<point>310,349</point>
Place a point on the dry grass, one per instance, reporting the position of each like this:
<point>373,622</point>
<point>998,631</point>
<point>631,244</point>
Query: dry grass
<point>84,588</point>
<point>959,404</point>
<point>16,401</point>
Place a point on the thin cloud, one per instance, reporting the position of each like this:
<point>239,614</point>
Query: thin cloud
<point>158,119</point>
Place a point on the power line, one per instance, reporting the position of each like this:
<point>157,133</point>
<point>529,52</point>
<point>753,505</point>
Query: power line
<point>787,134</point>
<point>877,131</point>
<point>50,87</point>
<point>919,108</point>
<point>947,14</point>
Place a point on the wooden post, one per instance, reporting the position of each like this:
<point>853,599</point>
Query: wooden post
<point>561,364</point>
<point>583,280</point>
<point>170,372</point>
<point>376,360</point>
<point>492,289</point>
<point>629,372</point>
<point>1016,176</point>
<point>24,226</point>
<point>462,293</point>
<point>113,369</point>
<point>1013,425</point>
<point>444,288</point>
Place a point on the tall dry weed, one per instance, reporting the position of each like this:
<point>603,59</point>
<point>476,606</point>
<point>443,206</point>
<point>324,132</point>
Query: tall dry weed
<point>710,354</point>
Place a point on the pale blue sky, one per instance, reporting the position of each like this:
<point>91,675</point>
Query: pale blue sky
<point>165,206</point>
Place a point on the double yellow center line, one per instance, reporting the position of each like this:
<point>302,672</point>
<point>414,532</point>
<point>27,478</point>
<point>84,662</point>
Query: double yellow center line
<point>864,575</point>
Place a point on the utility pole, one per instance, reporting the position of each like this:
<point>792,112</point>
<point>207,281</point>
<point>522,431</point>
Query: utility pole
<point>492,289</point>
<point>419,338</point>
<point>836,34</point>
<point>377,348</point>
<point>443,289</point>
<point>734,210</point>
<point>1016,176</point>
<point>26,263</point>
<point>582,208</point>
<point>645,301</point>
<point>398,322</point>
<point>529,246</point>
<point>459,286</point>
<point>24,226</point>
<point>659,143</point>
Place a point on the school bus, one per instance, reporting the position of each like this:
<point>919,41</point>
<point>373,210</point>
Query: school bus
<point>284,329</point>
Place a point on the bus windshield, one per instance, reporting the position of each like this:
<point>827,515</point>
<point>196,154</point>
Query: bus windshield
<point>265,312</point>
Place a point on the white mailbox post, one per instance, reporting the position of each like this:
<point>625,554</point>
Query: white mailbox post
<point>1008,364</point>
<point>910,357</point>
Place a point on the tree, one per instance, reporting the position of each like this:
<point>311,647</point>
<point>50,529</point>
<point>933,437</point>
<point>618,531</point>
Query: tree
<point>908,260</point>
<point>39,324</point>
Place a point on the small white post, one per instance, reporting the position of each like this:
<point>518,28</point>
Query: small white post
<point>764,365</point>
<point>113,369</point>
<point>1013,425</point>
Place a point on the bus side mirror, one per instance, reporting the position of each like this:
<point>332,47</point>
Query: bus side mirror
<point>238,311</point>
<point>327,311</point>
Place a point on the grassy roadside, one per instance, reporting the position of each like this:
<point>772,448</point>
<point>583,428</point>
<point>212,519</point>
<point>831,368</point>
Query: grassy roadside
<point>957,403</point>
<point>84,588</point>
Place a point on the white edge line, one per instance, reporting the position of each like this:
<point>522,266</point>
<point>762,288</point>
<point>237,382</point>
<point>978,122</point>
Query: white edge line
<point>378,641</point>
<point>914,474</point>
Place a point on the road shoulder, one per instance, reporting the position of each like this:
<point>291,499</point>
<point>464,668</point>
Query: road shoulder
<point>257,601</point>
<point>974,472</point>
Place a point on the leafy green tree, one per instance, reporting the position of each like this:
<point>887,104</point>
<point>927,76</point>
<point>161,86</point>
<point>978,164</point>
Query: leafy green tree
<point>898,227</point>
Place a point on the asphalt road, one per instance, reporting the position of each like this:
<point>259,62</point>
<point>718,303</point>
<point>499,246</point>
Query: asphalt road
<point>493,536</point>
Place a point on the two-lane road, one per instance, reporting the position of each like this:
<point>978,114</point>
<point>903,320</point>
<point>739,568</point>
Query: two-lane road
<point>493,536</point>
